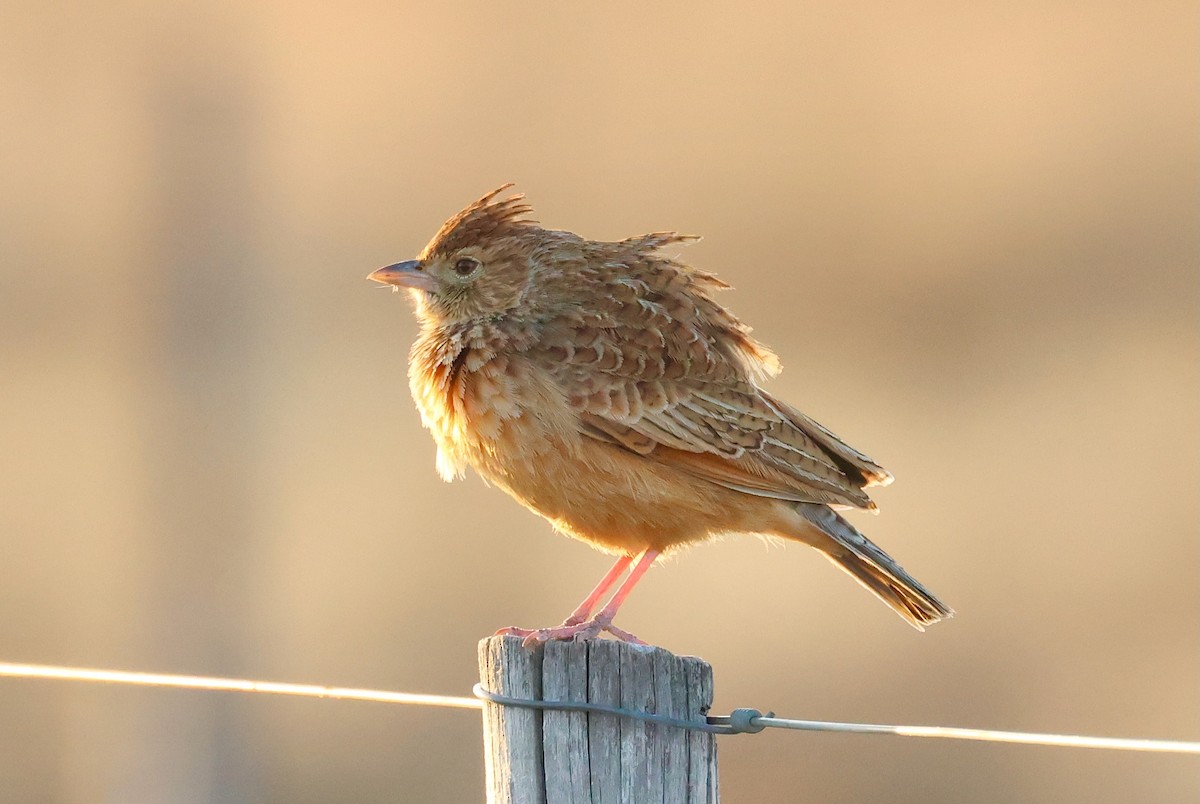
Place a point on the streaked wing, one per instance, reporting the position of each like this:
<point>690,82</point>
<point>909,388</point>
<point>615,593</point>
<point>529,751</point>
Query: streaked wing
<point>768,458</point>
<point>669,377</point>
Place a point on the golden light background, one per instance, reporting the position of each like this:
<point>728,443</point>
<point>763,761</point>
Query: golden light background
<point>970,231</point>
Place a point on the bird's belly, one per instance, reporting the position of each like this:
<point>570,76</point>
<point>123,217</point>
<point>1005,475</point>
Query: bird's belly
<point>512,424</point>
<point>617,501</point>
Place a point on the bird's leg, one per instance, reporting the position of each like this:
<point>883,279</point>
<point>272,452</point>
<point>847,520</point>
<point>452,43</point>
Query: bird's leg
<point>605,617</point>
<point>603,620</point>
<point>584,609</point>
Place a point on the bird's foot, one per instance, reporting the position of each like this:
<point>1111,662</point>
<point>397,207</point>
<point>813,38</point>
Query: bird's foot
<point>573,629</point>
<point>625,636</point>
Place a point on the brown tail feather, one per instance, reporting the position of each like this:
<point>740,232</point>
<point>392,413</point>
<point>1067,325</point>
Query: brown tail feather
<point>875,569</point>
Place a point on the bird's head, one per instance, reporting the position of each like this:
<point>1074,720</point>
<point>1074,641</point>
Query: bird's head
<point>479,264</point>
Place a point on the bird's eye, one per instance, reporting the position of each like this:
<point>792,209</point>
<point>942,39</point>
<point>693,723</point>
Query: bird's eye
<point>466,266</point>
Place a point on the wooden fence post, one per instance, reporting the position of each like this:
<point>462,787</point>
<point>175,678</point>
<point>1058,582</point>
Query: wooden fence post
<point>548,757</point>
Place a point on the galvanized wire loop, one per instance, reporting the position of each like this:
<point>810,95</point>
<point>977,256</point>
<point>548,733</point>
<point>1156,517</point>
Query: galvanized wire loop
<point>752,721</point>
<point>711,726</point>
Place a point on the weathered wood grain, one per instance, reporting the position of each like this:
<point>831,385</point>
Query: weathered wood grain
<point>565,734</point>
<point>590,758</point>
<point>512,737</point>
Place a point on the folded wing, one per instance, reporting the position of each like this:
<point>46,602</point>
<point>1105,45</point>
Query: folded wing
<point>670,376</point>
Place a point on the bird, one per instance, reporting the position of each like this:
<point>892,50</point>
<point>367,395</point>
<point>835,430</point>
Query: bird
<point>603,386</point>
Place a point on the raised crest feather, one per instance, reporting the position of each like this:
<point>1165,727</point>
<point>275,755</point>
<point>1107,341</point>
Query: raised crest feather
<point>484,219</point>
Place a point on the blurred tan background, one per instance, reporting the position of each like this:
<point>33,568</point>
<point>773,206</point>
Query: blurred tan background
<point>970,230</point>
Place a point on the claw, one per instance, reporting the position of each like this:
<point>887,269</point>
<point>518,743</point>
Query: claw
<point>625,636</point>
<point>578,626</point>
<point>572,629</point>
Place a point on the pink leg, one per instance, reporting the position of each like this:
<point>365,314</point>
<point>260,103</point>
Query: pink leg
<point>585,609</point>
<point>603,620</point>
<point>609,611</point>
